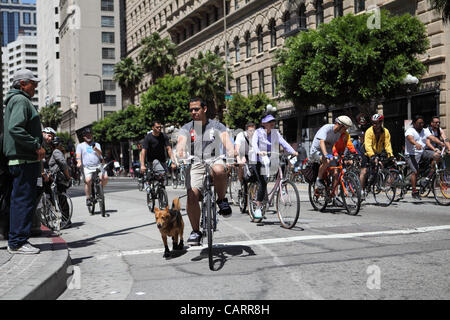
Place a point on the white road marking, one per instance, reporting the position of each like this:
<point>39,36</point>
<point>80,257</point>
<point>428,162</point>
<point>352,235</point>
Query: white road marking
<point>286,240</point>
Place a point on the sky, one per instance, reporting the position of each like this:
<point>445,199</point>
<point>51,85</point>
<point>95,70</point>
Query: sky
<point>29,1</point>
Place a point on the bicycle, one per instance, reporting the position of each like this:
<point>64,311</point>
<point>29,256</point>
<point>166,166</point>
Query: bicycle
<point>179,178</point>
<point>381,182</point>
<point>233,184</point>
<point>287,201</point>
<point>441,180</point>
<point>155,188</point>
<point>97,192</point>
<point>349,189</point>
<point>56,208</point>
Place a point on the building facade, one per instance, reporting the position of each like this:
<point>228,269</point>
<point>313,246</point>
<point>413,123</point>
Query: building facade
<point>255,29</point>
<point>20,54</point>
<point>49,55</point>
<point>89,40</point>
<point>16,17</point>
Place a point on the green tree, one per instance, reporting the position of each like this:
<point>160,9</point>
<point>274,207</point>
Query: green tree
<point>67,140</point>
<point>344,61</point>
<point>207,81</point>
<point>167,101</point>
<point>442,7</point>
<point>158,55</point>
<point>242,110</point>
<point>128,75</point>
<point>51,116</point>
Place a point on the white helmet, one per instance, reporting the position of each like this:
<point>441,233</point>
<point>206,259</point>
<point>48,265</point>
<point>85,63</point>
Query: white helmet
<point>346,121</point>
<point>49,130</point>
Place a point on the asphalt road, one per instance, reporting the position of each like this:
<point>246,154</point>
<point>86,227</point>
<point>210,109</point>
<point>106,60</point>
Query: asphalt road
<point>399,252</point>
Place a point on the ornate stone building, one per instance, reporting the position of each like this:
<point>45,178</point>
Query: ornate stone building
<point>256,28</point>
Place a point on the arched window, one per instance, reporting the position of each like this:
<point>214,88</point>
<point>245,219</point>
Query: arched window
<point>338,8</point>
<point>273,33</point>
<point>259,35</point>
<point>237,49</point>
<point>302,16</point>
<point>287,22</point>
<point>319,12</point>
<point>248,45</point>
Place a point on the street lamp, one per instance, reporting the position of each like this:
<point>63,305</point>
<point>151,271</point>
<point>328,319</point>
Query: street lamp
<point>101,88</point>
<point>270,108</point>
<point>409,80</point>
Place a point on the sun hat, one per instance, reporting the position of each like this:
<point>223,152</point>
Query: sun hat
<point>268,118</point>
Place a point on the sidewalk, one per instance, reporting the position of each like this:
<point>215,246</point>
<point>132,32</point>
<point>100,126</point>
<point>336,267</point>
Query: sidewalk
<point>35,277</point>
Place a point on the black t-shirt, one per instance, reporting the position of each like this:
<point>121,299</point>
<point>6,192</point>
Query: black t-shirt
<point>156,147</point>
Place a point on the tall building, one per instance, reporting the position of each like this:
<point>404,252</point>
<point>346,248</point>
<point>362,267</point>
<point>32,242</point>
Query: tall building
<point>89,40</point>
<point>16,17</point>
<point>20,54</point>
<point>256,28</point>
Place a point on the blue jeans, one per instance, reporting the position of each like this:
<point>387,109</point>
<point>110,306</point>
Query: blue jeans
<point>23,198</point>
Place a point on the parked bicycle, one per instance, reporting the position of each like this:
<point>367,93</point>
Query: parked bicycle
<point>97,192</point>
<point>284,195</point>
<point>348,188</point>
<point>155,188</point>
<point>55,208</point>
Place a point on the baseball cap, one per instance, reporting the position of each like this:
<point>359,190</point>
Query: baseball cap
<point>25,74</point>
<point>268,118</point>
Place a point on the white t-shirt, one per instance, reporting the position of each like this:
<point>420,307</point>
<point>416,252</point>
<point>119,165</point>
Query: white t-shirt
<point>421,138</point>
<point>325,133</point>
<point>243,143</point>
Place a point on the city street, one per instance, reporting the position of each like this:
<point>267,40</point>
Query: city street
<point>399,252</point>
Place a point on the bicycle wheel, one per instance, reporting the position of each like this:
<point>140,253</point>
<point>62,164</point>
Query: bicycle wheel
<point>91,207</point>
<point>101,199</point>
<point>288,204</point>
<point>384,188</point>
<point>441,187</point>
<point>251,201</point>
<point>150,201</point>
<point>66,208</point>
<point>350,191</point>
<point>208,203</point>
<point>242,198</point>
<point>163,201</point>
<point>317,197</point>
<point>175,179</point>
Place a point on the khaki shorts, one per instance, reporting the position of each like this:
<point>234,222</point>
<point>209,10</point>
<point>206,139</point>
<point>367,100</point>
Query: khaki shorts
<point>88,171</point>
<point>196,173</point>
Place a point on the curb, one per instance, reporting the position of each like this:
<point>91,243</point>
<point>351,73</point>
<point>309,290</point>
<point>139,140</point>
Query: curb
<point>51,281</point>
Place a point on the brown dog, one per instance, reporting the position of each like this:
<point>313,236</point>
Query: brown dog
<point>170,224</point>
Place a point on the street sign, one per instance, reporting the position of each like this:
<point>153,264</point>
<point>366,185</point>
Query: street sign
<point>97,97</point>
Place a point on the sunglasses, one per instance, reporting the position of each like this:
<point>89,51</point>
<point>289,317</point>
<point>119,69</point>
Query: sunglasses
<point>158,127</point>
<point>194,109</point>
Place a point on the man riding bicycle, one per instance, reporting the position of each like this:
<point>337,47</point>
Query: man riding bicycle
<point>322,146</point>
<point>265,140</point>
<point>89,156</point>
<point>376,140</point>
<point>437,131</point>
<point>202,138</point>
<point>242,147</point>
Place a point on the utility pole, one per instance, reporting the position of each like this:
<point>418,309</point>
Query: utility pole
<point>1,80</point>
<point>227,89</point>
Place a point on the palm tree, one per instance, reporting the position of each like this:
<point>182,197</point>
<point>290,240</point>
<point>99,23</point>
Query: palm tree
<point>443,7</point>
<point>51,116</point>
<point>128,74</point>
<point>207,80</point>
<point>157,56</point>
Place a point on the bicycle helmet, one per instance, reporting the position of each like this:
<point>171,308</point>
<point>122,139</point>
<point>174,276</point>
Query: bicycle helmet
<point>346,121</point>
<point>377,117</point>
<point>49,130</point>
<point>86,131</point>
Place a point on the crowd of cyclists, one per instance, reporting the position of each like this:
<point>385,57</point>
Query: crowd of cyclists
<point>254,154</point>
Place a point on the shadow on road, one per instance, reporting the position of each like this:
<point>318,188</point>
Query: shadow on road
<point>222,253</point>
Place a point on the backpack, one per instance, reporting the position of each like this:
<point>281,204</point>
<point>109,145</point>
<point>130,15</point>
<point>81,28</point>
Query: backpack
<point>5,192</point>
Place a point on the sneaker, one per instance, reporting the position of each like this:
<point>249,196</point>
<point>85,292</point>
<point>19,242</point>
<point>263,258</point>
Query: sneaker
<point>224,208</point>
<point>416,195</point>
<point>258,213</point>
<point>88,202</point>
<point>26,248</point>
<point>195,238</point>
<point>319,184</point>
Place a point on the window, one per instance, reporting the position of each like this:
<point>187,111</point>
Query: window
<point>26,18</point>
<point>259,35</point>
<point>236,4</point>
<point>302,16</point>
<point>227,7</point>
<point>56,10</point>
<point>227,51</point>
<point>287,22</point>
<point>109,85</point>
<point>319,12</point>
<point>273,34</point>
<point>57,40</point>
<point>261,81</point>
<point>31,46</point>
<point>238,85</point>
<point>57,55</point>
<point>338,8</point>
<point>274,82</point>
<point>249,84</point>
<point>107,22</point>
<point>108,53</point>
<point>248,45</point>
<point>108,69</point>
<point>359,5</point>
<point>110,100</point>
<point>107,5</point>
<point>237,49</point>
<point>108,37</point>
